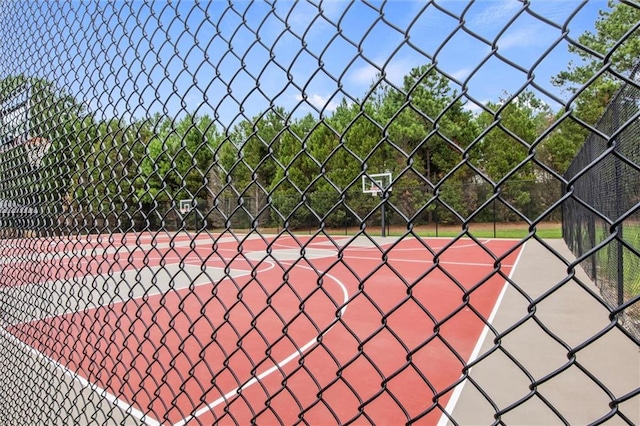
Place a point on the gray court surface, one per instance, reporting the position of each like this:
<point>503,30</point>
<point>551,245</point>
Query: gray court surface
<point>573,316</point>
<point>570,314</point>
<point>31,302</point>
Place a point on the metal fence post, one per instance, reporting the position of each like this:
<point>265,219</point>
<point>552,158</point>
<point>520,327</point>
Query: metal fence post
<point>619,205</point>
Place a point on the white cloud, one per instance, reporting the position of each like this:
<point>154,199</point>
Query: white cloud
<point>555,10</point>
<point>394,71</point>
<point>520,33</point>
<point>303,17</point>
<point>497,13</point>
<point>364,75</point>
<point>461,74</point>
<point>318,101</point>
<point>397,70</point>
<point>523,37</point>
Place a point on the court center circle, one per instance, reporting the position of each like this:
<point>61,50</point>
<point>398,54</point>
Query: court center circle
<point>291,254</point>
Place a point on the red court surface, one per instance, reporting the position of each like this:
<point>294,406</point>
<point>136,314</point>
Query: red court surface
<point>260,333</point>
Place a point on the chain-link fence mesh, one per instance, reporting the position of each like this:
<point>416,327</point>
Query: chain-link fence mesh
<point>600,222</point>
<point>186,237</point>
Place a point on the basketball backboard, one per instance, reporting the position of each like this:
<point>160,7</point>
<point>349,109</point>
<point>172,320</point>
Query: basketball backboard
<point>187,205</point>
<point>14,116</point>
<point>376,183</point>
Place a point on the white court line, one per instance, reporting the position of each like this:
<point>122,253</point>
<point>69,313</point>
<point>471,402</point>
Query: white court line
<point>318,245</point>
<point>376,245</point>
<point>128,408</point>
<point>94,257</point>
<point>457,392</point>
<point>397,248</point>
<point>91,253</point>
<point>440,262</point>
<point>298,353</point>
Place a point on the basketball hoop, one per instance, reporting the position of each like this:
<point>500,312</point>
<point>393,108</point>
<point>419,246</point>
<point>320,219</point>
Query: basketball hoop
<point>375,190</point>
<point>186,206</point>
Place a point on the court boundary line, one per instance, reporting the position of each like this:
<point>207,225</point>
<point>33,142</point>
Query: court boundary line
<point>440,262</point>
<point>85,252</point>
<point>377,245</point>
<point>457,391</point>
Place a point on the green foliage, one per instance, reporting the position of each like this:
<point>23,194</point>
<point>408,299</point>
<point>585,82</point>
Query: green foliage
<point>132,175</point>
<point>36,175</point>
<point>610,42</point>
<point>510,132</point>
<point>274,169</point>
<point>614,46</point>
<point>426,122</point>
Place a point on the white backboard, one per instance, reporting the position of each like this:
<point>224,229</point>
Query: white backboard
<point>14,117</point>
<point>376,183</point>
<point>187,205</point>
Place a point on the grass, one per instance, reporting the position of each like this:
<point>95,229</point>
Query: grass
<point>487,230</point>
<point>479,230</point>
<point>630,261</point>
<point>607,262</point>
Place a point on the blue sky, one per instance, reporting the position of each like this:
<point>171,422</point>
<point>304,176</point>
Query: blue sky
<point>132,59</point>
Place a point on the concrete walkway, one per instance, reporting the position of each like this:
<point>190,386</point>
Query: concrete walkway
<point>511,372</point>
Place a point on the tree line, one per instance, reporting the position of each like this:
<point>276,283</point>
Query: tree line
<point>277,169</point>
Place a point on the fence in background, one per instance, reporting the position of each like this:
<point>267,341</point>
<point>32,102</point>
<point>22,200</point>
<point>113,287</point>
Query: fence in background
<point>352,205</point>
<point>601,219</point>
<point>118,306</point>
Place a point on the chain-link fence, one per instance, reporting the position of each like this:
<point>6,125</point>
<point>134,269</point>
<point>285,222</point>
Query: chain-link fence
<point>541,196</point>
<point>188,233</point>
<point>602,217</point>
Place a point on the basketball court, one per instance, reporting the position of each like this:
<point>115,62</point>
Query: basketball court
<point>179,329</point>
